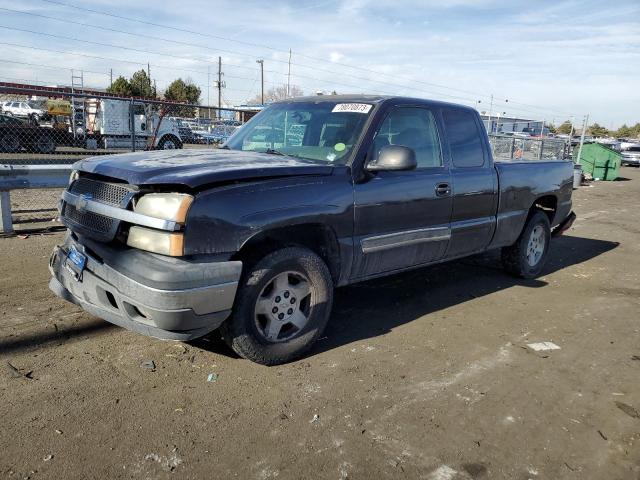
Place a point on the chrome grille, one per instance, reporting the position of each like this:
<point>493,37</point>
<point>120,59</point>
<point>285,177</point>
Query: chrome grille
<point>111,193</point>
<point>93,225</point>
<point>90,220</point>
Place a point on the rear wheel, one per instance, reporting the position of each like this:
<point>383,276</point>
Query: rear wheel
<point>282,307</point>
<point>527,257</point>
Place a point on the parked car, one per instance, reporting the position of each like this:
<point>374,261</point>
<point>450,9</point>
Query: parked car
<point>189,136</point>
<point>17,134</point>
<point>630,153</point>
<point>22,109</point>
<point>221,133</point>
<point>253,237</point>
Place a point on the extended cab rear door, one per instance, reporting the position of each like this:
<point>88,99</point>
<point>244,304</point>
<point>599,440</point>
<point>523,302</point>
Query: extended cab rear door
<point>475,182</point>
<point>402,217</point>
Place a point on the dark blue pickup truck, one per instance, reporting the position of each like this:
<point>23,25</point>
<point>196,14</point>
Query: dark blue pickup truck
<point>311,194</point>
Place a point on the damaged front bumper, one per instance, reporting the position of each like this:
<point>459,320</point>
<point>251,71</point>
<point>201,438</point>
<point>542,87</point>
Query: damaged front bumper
<point>162,297</point>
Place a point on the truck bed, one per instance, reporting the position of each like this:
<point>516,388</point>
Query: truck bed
<point>520,183</point>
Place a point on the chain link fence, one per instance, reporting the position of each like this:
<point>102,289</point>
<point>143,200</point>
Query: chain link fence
<point>509,147</point>
<point>58,126</point>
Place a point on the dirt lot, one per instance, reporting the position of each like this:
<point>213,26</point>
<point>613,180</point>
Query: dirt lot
<point>421,375</point>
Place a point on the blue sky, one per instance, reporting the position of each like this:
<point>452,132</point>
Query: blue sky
<point>549,59</point>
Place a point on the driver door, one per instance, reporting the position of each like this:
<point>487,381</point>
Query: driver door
<point>402,218</point>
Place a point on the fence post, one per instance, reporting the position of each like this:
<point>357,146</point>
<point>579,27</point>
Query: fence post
<point>6,224</point>
<point>541,149</point>
<point>132,121</point>
<point>513,147</point>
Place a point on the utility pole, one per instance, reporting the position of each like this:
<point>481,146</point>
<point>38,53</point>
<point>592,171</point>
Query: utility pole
<point>570,137</point>
<point>219,86</point>
<point>149,75</point>
<point>490,112</point>
<point>289,76</point>
<point>111,77</point>
<point>208,84</point>
<point>261,62</point>
<point>584,129</point>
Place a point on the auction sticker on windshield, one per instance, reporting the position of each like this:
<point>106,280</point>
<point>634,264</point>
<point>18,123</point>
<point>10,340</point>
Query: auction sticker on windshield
<point>352,107</point>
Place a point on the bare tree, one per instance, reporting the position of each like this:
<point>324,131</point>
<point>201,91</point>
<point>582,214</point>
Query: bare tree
<point>277,93</point>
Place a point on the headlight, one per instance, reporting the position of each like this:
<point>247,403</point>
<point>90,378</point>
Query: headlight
<point>164,243</point>
<point>74,176</point>
<point>167,206</point>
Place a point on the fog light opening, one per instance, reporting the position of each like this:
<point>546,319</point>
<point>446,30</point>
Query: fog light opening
<point>112,299</point>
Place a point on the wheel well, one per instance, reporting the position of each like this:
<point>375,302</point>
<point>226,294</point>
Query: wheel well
<point>547,204</point>
<point>318,238</point>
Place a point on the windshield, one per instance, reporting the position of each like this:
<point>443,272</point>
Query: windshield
<point>318,131</point>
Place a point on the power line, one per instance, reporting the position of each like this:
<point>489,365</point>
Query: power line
<point>53,67</point>
<point>164,54</point>
<point>396,85</point>
<point>123,47</point>
<point>120,60</point>
<point>219,37</point>
<point>314,79</point>
<point>287,62</point>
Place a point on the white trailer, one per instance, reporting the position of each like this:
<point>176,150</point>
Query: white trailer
<point>109,123</point>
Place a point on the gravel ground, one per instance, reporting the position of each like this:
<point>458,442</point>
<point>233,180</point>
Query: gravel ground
<point>420,375</point>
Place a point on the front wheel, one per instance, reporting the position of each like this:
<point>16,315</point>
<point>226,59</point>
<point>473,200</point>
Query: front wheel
<point>526,258</point>
<point>282,307</point>
<point>169,142</point>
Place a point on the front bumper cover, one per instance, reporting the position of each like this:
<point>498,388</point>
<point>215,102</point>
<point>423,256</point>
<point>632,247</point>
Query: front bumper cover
<point>148,305</point>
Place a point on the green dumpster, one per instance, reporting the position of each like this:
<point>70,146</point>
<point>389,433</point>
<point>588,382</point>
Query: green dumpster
<point>600,161</point>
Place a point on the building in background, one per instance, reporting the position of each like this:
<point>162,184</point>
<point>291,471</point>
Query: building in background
<point>503,124</point>
<point>249,110</point>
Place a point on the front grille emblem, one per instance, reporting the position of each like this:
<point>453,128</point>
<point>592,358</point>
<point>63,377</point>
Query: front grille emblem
<point>83,200</point>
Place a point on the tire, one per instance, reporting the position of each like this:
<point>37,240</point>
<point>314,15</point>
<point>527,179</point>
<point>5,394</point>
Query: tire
<point>527,257</point>
<point>45,144</point>
<point>9,114</point>
<point>169,142</point>
<point>9,143</point>
<point>267,325</point>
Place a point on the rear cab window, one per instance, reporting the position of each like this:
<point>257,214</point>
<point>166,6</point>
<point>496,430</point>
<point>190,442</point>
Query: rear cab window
<point>464,137</point>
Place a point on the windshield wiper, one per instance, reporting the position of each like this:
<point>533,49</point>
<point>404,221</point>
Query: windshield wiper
<point>272,151</point>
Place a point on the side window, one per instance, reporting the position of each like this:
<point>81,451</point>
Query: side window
<point>464,138</point>
<point>411,127</point>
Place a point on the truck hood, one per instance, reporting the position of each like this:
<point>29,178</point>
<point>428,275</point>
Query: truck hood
<point>195,168</point>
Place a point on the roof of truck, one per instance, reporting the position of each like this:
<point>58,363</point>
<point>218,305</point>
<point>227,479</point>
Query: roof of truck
<point>362,98</point>
<point>340,98</point>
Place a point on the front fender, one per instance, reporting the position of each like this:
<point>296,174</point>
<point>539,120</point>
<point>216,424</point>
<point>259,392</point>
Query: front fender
<point>223,219</point>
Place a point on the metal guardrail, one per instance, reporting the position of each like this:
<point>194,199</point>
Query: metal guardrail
<point>14,177</point>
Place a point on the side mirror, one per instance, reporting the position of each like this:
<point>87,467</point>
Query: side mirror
<point>393,157</point>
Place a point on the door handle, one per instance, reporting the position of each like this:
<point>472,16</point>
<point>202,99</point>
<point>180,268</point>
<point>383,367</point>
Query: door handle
<point>443,190</point>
